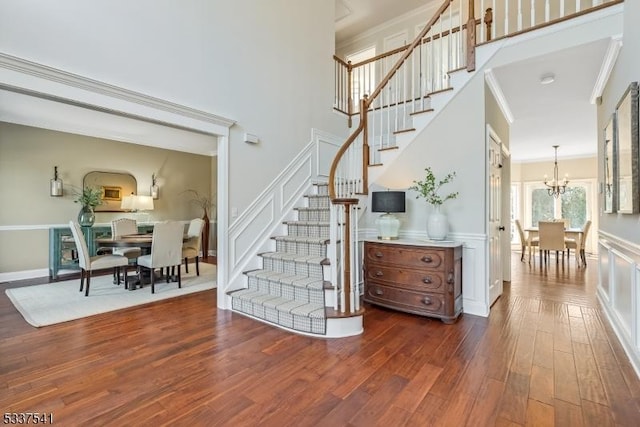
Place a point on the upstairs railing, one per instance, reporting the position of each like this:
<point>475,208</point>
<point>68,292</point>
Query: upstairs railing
<point>410,76</point>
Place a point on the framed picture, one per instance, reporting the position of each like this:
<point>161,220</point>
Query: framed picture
<point>628,149</point>
<point>112,193</point>
<point>610,184</point>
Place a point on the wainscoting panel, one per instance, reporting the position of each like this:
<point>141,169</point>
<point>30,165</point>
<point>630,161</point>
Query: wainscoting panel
<point>251,233</point>
<point>622,290</point>
<point>619,266</point>
<point>605,281</point>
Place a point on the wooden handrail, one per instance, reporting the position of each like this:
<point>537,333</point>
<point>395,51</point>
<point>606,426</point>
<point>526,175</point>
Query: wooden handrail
<point>405,47</point>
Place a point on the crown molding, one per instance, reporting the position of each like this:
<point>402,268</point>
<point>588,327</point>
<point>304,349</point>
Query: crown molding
<point>494,86</point>
<point>610,57</point>
<point>35,70</point>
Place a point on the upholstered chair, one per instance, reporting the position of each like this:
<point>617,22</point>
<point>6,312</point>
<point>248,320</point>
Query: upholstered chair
<point>551,238</point>
<point>524,241</point>
<point>579,244</point>
<point>191,247</point>
<point>166,250</point>
<point>123,227</point>
<point>99,262</point>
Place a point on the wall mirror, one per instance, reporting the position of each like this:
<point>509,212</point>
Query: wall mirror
<point>114,186</point>
<point>627,151</point>
<point>610,184</point>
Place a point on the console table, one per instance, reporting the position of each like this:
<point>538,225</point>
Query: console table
<point>62,248</point>
<point>416,277</point>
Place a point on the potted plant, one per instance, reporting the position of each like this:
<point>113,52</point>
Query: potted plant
<point>429,188</point>
<point>89,198</point>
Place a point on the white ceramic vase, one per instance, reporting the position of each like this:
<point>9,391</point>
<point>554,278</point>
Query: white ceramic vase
<point>437,224</point>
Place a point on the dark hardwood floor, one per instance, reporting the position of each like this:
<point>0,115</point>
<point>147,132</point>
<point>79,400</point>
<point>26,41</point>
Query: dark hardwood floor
<point>545,356</point>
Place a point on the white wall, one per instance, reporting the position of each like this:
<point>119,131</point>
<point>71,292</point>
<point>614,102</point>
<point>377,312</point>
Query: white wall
<point>267,65</point>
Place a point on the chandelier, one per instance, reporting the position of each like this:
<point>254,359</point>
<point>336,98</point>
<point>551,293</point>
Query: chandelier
<point>555,186</point>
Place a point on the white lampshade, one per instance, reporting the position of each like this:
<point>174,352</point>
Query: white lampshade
<point>137,203</point>
<point>143,203</point>
<point>127,202</point>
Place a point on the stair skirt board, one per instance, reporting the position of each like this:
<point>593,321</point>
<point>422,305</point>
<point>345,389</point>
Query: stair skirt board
<point>336,327</point>
<point>289,290</point>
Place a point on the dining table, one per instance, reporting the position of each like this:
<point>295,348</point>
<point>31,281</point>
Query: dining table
<point>143,241</point>
<point>569,232</point>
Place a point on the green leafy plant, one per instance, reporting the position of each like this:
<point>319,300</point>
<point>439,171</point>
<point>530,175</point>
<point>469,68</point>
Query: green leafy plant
<point>89,196</point>
<point>204,202</point>
<point>429,188</point>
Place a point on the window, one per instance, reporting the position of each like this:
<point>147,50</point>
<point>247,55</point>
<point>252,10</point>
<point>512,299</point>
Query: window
<point>575,204</point>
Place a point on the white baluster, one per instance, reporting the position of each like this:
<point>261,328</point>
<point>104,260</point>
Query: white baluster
<point>506,16</point>
<point>482,23</point>
<point>533,13</point>
<point>561,9</point>
<point>547,11</point>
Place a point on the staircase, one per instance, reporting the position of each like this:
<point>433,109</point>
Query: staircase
<point>290,290</point>
<point>310,283</point>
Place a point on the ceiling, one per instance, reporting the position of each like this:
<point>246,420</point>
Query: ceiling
<point>559,113</point>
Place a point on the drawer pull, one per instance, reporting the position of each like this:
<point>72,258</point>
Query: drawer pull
<point>379,292</point>
<point>427,259</point>
<point>427,301</point>
<point>379,273</point>
<point>426,280</point>
<point>450,278</point>
<point>378,254</point>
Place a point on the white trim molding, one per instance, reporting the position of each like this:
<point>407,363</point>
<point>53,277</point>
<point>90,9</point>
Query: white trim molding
<point>30,78</point>
<point>610,57</point>
<point>619,276</point>
<point>496,90</point>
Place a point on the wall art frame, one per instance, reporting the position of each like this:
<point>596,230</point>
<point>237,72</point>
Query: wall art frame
<point>627,146</point>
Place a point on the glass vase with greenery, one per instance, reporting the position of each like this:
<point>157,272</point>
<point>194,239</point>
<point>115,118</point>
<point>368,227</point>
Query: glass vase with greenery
<point>89,198</point>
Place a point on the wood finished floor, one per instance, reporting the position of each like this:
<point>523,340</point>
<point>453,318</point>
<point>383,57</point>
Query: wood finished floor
<point>544,357</point>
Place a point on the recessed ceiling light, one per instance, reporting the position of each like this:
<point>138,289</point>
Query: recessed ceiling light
<point>548,78</point>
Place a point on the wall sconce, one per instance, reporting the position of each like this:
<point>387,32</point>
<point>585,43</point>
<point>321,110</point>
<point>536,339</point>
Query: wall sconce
<point>55,187</point>
<point>154,191</point>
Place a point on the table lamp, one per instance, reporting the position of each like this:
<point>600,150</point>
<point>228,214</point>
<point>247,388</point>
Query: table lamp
<point>388,202</point>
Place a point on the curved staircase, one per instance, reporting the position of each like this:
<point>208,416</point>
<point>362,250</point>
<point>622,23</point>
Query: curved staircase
<point>291,290</point>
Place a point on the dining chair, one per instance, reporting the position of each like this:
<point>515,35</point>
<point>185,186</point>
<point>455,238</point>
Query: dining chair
<point>122,227</point>
<point>525,241</point>
<point>89,263</point>
<point>550,238</point>
<point>166,250</point>
<point>579,244</point>
<point>191,248</point>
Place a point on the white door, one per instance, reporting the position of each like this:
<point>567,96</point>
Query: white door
<point>495,217</point>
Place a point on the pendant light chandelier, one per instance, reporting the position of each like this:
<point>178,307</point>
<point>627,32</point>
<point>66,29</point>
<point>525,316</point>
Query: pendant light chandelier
<point>555,186</point>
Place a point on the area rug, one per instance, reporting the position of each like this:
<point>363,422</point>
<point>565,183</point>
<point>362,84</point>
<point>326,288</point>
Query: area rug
<point>58,302</point>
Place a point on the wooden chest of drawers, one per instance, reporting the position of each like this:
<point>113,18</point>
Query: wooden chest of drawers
<point>414,278</point>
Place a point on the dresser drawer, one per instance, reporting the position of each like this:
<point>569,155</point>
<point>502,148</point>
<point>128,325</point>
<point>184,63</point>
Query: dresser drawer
<point>418,280</point>
<point>415,258</point>
<point>405,300</point>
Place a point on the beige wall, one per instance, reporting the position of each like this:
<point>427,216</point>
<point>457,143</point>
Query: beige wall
<point>27,158</point>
